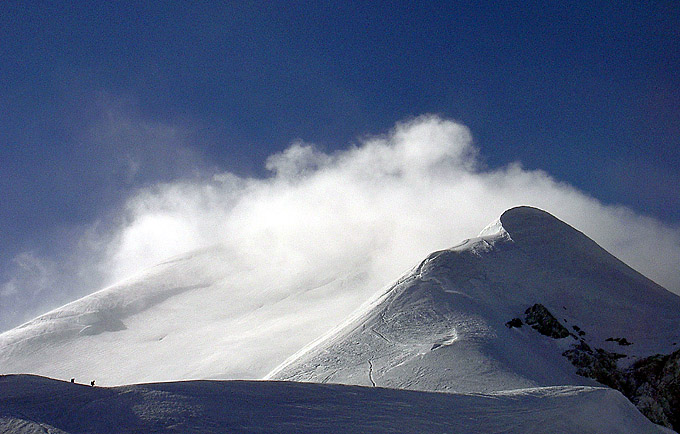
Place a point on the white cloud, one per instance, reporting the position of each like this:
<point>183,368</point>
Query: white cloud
<point>298,160</point>
<point>387,202</point>
<point>31,283</point>
<point>376,208</point>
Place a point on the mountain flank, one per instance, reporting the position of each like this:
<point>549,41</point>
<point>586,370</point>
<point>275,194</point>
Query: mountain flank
<point>454,322</point>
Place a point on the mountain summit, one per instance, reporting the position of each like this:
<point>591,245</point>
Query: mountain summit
<point>454,323</point>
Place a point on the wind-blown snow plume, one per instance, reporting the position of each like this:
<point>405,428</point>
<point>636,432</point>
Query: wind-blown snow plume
<point>387,202</point>
<point>376,208</point>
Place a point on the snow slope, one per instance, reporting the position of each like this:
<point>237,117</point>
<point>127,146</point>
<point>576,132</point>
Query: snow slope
<point>30,404</point>
<point>442,326</point>
<point>200,315</point>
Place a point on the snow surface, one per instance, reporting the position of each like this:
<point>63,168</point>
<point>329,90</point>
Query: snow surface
<point>30,404</point>
<point>200,315</point>
<point>442,326</point>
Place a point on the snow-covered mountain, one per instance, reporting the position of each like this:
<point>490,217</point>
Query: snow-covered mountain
<point>443,325</point>
<point>531,304</point>
<point>201,315</point>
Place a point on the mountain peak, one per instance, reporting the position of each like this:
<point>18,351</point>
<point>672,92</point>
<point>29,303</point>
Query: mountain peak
<point>525,213</point>
<point>526,223</point>
<point>544,236</point>
<point>440,326</point>
<point>529,226</point>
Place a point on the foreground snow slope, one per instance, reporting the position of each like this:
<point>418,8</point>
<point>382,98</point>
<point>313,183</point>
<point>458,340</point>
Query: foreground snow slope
<point>442,326</point>
<point>30,404</point>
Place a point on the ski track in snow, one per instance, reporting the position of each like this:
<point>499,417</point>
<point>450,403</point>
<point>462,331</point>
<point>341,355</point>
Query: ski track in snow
<point>370,372</point>
<point>380,335</point>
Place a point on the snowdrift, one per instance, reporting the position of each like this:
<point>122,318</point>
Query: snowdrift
<point>30,404</point>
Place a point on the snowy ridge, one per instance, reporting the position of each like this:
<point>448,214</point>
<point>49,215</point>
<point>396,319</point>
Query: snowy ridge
<point>488,237</point>
<point>31,404</point>
<point>352,318</point>
<point>443,328</point>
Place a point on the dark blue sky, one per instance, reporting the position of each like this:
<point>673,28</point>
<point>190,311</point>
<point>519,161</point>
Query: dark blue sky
<point>588,92</point>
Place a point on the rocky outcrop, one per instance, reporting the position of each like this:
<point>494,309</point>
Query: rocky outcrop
<point>597,364</point>
<point>514,323</point>
<point>620,341</point>
<point>652,383</point>
<point>539,318</point>
<point>578,330</point>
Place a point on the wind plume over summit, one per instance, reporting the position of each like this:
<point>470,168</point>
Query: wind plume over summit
<point>375,208</point>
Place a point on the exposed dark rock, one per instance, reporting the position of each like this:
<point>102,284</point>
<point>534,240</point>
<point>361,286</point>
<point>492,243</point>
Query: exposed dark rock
<point>597,364</point>
<point>515,322</point>
<point>578,330</point>
<point>652,383</point>
<point>654,387</point>
<point>621,341</point>
<point>538,317</point>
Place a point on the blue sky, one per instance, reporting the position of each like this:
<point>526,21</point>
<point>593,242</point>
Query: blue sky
<point>100,99</point>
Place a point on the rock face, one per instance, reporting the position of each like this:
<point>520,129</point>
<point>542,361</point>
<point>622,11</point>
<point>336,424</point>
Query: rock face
<point>620,341</point>
<point>598,364</point>
<point>538,317</point>
<point>515,322</point>
<point>651,383</point>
